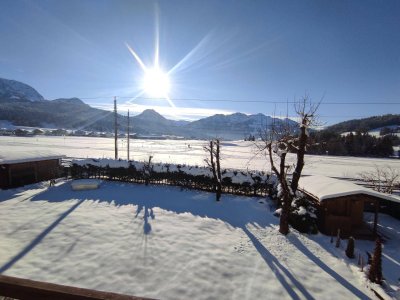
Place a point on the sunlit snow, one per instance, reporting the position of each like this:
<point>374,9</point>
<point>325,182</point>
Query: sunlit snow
<point>166,243</point>
<point>236,154</point>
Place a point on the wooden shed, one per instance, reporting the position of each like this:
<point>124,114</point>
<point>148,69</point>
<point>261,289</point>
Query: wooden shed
<point>341,205</point>
<point>19,168</point>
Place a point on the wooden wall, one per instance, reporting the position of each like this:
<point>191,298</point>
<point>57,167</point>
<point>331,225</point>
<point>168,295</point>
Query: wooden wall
<point>346,213</point>
<point>14,175</point>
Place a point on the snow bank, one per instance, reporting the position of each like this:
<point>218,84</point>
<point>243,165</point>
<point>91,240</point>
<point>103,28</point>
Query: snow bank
<point>325,188</point>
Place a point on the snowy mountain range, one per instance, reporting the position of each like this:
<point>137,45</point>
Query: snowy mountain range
<point>238,123</point>
<point>17,90</point>
<point>22,105</point>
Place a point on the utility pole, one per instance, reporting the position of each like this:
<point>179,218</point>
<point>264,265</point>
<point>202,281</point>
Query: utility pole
<point>115,128</point>
<point>128,136</point>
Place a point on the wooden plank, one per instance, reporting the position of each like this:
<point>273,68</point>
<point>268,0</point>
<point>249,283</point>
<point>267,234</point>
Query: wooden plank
<point>20,288</point>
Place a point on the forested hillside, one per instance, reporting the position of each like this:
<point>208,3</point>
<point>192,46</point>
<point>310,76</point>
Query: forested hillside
<point>366,124</point>
<point>358,144</point>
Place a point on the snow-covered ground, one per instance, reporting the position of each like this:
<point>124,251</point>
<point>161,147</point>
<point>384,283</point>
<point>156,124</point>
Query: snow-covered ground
<point>166,243</point>
<point>389,228</point>
<point>238,155</point>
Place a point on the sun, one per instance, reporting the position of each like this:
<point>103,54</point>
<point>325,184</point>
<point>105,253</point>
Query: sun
<point>156,83</point>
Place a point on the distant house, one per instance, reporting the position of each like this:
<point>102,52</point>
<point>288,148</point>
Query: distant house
<point>341,205</point>
<point>19,168</point>
<point>396,151</point>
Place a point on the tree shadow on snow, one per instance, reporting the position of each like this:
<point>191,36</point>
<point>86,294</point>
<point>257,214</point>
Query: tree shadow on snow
<point>38,238</point>
<point>279,270</point>
<point>148,213</point>
<point>12,193</point>
<point>300,246</point>
<point>234,211</point>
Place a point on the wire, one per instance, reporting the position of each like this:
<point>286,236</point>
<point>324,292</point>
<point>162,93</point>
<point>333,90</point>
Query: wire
<point>246,100</point>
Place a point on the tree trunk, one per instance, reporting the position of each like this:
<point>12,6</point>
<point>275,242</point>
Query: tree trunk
<point>284,219</point>
<point>219,192</point>
<point>213,169</point>
<point>300,156</point>
<point>218,171</point>
<point>281,174</point>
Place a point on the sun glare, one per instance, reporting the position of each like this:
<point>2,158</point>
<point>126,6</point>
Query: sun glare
<point>156,83</point>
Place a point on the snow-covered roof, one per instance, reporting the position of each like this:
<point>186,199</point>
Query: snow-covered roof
<point>324,188</point>
<point>21,156</point>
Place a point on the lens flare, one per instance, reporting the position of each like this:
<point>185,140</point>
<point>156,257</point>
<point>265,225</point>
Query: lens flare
<point>156,83</point>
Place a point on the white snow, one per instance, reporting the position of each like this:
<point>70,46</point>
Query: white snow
<point>302,211</point>
<point>161,242</point>
<point>396,149</point>
<point>235,155</point>
<point>26,155</point>
<point>389,229</point>
<point>325,188</point>
<point>85,184</point>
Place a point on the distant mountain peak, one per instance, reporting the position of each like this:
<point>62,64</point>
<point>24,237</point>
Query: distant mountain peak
<point>150,113</point>
<point>12,89</point>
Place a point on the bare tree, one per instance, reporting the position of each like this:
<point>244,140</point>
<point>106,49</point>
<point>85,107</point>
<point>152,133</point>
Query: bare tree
<point>281,139</point>
<point>147,169</point>
<point>213,161</point>
<point>382,179</point>
<point>308,118</point>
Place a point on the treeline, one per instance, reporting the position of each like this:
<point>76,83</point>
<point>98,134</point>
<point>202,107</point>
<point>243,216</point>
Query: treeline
<point>327,142</point>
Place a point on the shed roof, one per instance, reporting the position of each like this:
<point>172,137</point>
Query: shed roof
<point>323,188</point>
<point>21,156</point>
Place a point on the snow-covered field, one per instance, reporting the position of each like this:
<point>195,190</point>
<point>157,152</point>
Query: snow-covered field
<point>237,154</point>
<point>166,243</point>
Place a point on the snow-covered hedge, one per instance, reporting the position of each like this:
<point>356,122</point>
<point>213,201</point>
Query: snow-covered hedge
<point>233,181</point>
<point>303,214</point>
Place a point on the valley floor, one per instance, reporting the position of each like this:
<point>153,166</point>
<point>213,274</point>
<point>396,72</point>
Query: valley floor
<point>235,154</point>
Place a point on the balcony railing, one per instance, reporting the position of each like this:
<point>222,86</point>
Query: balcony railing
<point>19,288</point>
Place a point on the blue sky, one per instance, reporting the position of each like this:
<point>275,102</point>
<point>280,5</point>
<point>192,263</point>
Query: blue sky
<point>345,52</point>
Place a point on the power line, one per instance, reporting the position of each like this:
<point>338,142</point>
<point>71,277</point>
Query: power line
<point>342,102</point>
<point>191,99</point>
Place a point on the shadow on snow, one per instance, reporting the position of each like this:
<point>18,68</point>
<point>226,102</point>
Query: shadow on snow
<point>236,211</point>
<point>299,245</point>
<point>39,238</point>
